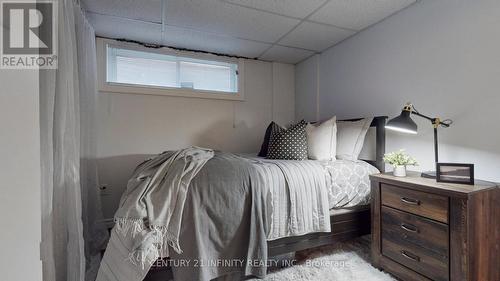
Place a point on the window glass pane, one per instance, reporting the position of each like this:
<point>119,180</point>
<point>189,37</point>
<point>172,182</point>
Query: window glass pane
<point>205,76</point>
<point>162,70</point>
<point>146,72</point>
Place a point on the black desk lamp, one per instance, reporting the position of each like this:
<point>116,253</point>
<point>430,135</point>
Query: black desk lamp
<point>404,123</point>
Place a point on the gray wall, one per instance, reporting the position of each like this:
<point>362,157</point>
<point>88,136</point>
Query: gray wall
<point>20,233</point>
<point>441,55</point>
<point>132,126</point>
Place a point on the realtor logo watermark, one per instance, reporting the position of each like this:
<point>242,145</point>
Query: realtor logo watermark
<point>29,34</point>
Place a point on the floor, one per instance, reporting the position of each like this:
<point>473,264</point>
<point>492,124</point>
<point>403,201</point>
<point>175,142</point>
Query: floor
<point>349,261</point>
<point>343,261</point>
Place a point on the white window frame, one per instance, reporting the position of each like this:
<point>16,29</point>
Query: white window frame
<point>114,87</point>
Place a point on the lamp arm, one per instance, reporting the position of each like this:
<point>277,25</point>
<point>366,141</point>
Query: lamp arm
<point>435,121</point>
<point>421,115</point>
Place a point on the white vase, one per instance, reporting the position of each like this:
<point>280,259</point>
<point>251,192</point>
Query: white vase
<point>399,171</point>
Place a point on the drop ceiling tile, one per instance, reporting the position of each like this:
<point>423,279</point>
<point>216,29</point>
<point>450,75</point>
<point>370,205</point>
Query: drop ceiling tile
<point>315,36</point>
<point>358,14</point>
<point>286,54</point>
<point>145,10</point>
<point>292,8</point>
<point>215,16</point>
<point>196,40</point>
<point>116,27</point>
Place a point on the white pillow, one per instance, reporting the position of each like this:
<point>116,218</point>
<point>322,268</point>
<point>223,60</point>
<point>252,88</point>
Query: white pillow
<point>351,137</point>
<point>322,140</point>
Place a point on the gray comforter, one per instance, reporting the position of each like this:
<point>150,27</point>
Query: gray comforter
<point>235,204</point>
<point>232,206</point>
<point>218,202</point>
<point>225,222</point>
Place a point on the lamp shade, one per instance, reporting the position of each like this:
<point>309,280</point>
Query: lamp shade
<point>402,123</point>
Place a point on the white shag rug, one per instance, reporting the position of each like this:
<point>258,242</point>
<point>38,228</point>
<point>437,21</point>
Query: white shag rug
<point>348,261</point>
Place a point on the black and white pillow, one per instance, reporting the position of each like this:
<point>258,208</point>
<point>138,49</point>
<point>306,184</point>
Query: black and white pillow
<point>273,128</point>
<point>289,144</point>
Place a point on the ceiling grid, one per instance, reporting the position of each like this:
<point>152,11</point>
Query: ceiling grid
<point>286,31</point>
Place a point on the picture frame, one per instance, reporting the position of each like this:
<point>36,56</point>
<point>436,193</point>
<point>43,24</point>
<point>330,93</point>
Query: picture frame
<point>455,173</point>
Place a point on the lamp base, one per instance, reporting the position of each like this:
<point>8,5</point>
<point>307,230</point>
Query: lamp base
<point>429,175</point>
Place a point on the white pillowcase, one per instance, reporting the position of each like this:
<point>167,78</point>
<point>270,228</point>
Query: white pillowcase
<point>351,137</point>
<point>322,140</point>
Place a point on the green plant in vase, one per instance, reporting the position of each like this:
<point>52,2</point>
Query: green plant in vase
<point>399,160</point>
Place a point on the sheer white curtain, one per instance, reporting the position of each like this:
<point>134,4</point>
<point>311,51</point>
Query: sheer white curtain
<point>95,233</point>
<point>71,236</point>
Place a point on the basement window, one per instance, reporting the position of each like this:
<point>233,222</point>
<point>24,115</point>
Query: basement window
<point>168,72</point>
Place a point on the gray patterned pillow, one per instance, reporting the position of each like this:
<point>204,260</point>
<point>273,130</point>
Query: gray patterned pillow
<point>289,144</point>
<point>272,129</point>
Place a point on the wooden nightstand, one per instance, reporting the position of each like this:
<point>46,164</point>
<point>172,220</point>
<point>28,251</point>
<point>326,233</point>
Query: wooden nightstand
<point>424,230</point>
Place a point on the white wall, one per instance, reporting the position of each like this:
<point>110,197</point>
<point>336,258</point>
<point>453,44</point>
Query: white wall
<point>441,55</point>
<point>307,89</point>
<point>132,126</point>
<point>20,233</point>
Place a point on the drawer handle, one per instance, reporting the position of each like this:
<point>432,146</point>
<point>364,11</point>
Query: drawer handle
<point>409,227</point>
<point>410,201</point>
<point>410,256</point>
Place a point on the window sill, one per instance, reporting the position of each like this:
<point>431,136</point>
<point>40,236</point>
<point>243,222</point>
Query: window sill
<point>164,91</point>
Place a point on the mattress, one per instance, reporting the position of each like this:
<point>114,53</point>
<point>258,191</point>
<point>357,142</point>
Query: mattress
<point>348,182</point>
<point>341,211</point>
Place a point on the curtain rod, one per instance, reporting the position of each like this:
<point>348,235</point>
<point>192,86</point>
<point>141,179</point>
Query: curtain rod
<point>158,46</point>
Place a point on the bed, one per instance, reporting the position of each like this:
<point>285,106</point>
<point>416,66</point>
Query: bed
<point>346,223</point>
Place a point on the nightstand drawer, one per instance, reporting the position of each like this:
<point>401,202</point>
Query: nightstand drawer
<point>416,258</point>
<point>420,203</point>
<point>404,227</point>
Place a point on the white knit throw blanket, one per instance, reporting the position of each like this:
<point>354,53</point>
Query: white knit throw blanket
<point>151,208</point>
